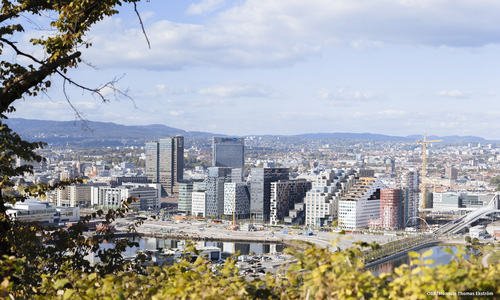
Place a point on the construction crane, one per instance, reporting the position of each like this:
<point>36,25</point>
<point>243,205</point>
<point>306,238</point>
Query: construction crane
<point>424,167</point>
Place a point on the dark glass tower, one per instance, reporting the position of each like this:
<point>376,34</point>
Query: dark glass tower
<point>260,190</point>
<point>228,152</point>
<point>165,163</point>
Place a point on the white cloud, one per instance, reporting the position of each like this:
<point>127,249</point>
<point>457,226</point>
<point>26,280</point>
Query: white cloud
<point>84,105</point>
<point>392,113</point>
<point>44,104</point>
<point>342,95</point>
<point>204,6</point>
<point>176,113</point>
<point>277,33</point>
<point>233,90</point>
<point>453,94</point>
<point>163,89</point>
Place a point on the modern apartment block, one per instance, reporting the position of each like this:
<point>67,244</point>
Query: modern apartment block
<point>260,190</point>
<point>216,178</point>
<point>321,202</point>
<point>408,180</point>
<point>391,212</point>
<point>75,195</point>
<point>237,200</point>
<point>199,207</point>
<point>284,195</point>
<point>360,204</point>
<point>165,163</point>
<point>184,205</point>
<point>228,152</point>
<point>147,195</point>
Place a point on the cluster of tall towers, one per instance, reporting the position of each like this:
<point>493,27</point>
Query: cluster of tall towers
<point>269,194</point>
<point>165,163</point>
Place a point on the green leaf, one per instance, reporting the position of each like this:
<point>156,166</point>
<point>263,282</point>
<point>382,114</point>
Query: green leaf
<point>427,253</point>
<point>91,293</point>
<point>448,250</point>
<point>68,294</point>
<point>60,283</point>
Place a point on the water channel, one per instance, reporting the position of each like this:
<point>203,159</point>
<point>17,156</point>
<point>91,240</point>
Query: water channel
<point>439,256</point>
<point>228,247</point>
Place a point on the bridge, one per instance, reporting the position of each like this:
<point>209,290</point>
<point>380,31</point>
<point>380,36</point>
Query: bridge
<point>459,224</point>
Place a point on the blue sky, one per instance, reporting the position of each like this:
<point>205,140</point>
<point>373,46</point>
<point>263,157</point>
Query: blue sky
<point>396,67</point>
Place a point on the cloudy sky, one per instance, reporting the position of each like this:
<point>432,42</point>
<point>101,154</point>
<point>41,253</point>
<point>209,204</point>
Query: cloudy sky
<point>244,67</point>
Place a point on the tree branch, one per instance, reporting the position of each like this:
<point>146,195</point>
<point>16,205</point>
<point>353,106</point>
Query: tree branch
<point>15,88</point>
<point>19,52</point>
<point>142,24</point>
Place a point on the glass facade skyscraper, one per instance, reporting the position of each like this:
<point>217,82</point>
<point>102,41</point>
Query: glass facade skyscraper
<point>228,152</point>
<point>260,190</point>
<point>165,163</point>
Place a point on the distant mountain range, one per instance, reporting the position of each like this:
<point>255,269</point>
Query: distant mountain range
<point>111,134</point>
<point>95,133</point>
<point>382,137</point>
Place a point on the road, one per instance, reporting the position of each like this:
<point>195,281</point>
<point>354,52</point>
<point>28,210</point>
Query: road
<point>196,229</point>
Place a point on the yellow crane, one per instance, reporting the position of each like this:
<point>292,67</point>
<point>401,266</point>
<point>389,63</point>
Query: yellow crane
<point>424,167</point>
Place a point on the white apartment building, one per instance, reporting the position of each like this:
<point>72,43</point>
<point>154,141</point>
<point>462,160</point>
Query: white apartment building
<point>322,200</point>
<point>360,204</point>
<point>148,196</point>
<point>74,196</point>
<point>237,198</point>
<point>199,204</point>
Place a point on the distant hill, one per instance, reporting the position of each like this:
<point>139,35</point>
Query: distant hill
<point>362,136</point>
<point>97,133</point>
<point>382,137</point>
<point>452,138</point>
<point>111,134</point>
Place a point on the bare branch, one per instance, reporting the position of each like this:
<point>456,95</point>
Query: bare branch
<point>78,114</point>
<point>142,24</point>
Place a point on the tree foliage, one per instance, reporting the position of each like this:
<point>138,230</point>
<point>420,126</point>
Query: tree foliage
<point>26,258</point>
<point>316,274</point>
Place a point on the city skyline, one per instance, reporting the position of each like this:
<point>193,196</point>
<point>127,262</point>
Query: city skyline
<point>292,67</point>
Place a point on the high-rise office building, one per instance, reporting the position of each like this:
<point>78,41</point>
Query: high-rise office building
<point>451,173</point>
<point>152,167</point>
<point>390,208</point>
<point>228,152</point>
<point>165,163</point>
<point>260,190</point>
<point>184,206</point>
<point>408,180</point>
<point>237,200</point>
<point>215,180</point>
